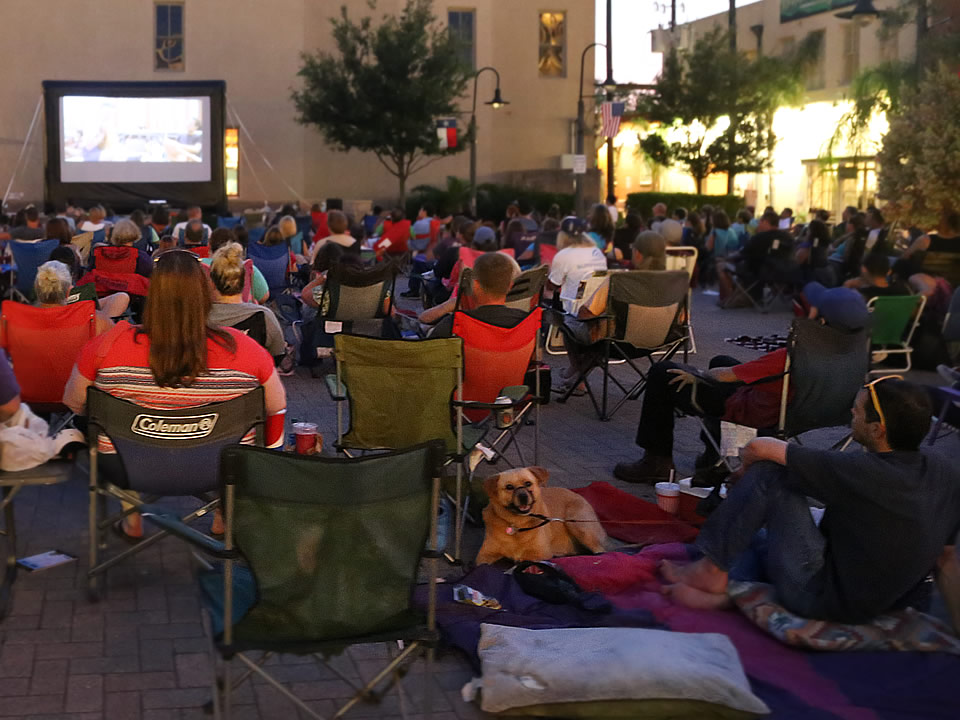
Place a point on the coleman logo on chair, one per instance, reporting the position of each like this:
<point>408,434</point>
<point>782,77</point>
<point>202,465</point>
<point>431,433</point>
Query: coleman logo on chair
<point>174,428</point>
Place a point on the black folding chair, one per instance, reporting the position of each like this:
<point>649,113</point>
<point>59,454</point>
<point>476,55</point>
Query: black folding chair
<point>254,326</point>
<point>159,453</point>
<point>358,299</point>
<point>325,559</point>
<point>647,315</point>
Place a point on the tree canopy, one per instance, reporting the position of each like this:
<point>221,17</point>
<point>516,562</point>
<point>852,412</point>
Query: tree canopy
<point>384,87</point>
<point>918,164</point>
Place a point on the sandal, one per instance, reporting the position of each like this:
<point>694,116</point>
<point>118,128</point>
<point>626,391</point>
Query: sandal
<point>120,532</point>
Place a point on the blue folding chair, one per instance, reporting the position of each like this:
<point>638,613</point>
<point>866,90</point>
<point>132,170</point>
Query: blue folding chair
<point>229,222</point>
<point>99,237</point>
<point>272,261</point>
<point>28,256</point>
<point>255,235</point>
<point>296,244</point>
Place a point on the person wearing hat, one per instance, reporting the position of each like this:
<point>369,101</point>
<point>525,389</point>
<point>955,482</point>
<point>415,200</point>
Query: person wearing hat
<point>578,258</point>
<point>892,516</point>
<point>729,390</point>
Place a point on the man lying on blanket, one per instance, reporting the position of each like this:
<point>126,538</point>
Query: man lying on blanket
<point>890,512</point>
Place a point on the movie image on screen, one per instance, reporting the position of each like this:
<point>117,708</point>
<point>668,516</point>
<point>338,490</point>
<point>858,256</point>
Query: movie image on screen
<point>134,139</point>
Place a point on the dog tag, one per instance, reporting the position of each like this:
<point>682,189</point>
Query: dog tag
<point>330,327</point>
<point>510,530</point>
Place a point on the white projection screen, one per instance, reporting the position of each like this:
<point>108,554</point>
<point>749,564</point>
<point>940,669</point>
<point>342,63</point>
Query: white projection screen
<point>114,139</point>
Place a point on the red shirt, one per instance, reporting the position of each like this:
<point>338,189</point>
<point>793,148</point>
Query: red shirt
<point>395,239</point>
<point>318,219</point>
<point>123,370</point>
<point>758,405</point>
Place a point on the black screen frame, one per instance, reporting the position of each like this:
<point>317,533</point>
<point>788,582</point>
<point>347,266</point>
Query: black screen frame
<point>210,195</point>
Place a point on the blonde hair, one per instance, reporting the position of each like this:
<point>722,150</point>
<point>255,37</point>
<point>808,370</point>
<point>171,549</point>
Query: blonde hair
<point>125,232</point>
<point>53,283</point>
<point>287,226</point>
<point>226,269</point>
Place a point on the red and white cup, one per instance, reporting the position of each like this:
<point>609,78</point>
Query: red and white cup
<point>668,496</point>
<point>305,434</point>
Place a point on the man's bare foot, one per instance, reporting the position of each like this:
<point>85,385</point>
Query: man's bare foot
<point>697,599</point>
<point>702,575</point>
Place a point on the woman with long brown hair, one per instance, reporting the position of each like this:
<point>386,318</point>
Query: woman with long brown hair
<point>175,359</point>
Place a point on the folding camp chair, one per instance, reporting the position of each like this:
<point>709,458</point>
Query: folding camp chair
<point>254,326</point>
<point>527,288</point>
<point>947,418</point>
<point>894,318</point>
<point>775,270</point>
<point>824,369</point>
<point>28,256</point>
<point>43,344</point>
<point>357,300</point>
<point>162,453</point>
<point>495,364</point>
<point>83,242</point>
<point>229,222</point>
<point>647,314</point>
<point>586,292</point>
<point>951,325</point>
<point>291,582</point>
<point>685,258</point>
<point>273,262</point>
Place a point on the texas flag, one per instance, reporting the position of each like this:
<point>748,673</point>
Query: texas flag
<point>447,133</point>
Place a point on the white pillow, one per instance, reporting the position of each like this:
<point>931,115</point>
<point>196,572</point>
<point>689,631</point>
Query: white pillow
<point>524,667</point>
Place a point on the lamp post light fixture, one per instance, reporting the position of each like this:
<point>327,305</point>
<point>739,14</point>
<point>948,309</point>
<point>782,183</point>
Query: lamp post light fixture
<point>863,10</point>
<point>496,103</point>
<point>609,85</point>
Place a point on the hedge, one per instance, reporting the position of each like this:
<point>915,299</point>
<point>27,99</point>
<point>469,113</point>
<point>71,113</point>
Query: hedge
<point>643,202</point>
<point>492,200</point>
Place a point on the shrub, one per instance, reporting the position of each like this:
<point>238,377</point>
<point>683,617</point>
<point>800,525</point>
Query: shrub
<point>492,200</point>
<point>643,202</point>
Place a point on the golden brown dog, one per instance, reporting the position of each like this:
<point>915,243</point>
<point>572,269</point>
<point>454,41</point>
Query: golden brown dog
<point>517,497</point>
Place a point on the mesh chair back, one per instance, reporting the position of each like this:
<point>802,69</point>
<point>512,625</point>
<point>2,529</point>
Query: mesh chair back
<point>827,368</point>
<point>646,306</point>
<point>335,547</point>
<point>28,256</point>
<point>254,325</point>
<point>351,294</point>
<point>173,452</point>
<point>527,288</point>
<point>399,390</point>
<point>43,344</point>
<point>272,261</point>
<point>468,256</point>
<point>951,323</point>
<point>891,317</point>
<point>494,357</point>
<point>113,259</point>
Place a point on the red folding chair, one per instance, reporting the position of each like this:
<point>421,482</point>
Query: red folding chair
<point>116,271</point>
<point>495,362</point>
<point>43,345</point>
<point>466,259</point>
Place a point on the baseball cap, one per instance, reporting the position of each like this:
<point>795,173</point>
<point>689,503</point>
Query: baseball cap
<point>842,308</point>
<point>484,236</point>
<point>572,225</point>
<point>670,229</point>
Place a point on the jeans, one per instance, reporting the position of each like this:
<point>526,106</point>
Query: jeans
<point>420,265</point>
<point>660,400</point>
<point>794,546</point>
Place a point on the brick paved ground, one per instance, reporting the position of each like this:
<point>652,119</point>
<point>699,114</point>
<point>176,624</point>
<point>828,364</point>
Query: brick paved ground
<point>140,653</point>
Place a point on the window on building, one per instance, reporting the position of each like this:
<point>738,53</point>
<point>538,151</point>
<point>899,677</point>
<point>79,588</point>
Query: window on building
<point>462,23</point>
<point>553,44</point>
<point>168,37</point>
<point>851,53</point>
<point>231,160</point>
<point>817,72</point>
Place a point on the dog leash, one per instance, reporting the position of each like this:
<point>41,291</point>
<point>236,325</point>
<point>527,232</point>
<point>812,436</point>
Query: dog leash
<point>544,520</point>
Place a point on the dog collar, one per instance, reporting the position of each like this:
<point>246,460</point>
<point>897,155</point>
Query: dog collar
<point>544,520</point>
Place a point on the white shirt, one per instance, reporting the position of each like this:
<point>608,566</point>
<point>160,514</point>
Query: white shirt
<point>183,226</point>
<point>570,266</point>
<point>91,227</point>
<point>343,240</point>
<point>614,213</point>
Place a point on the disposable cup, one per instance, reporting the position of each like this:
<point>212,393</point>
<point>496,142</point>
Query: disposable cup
<point>668,496</point>
<point>306,437</point>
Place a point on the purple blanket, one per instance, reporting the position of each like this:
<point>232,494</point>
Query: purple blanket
<point>796,684</point>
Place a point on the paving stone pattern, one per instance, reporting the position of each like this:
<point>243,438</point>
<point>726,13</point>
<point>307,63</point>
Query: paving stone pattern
<point>141,654</point>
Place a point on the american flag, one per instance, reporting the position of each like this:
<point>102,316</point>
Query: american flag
<point>611,112</point>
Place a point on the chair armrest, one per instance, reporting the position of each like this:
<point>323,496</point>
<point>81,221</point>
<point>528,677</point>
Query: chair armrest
<point>337,391</point>
<point>516,393</point>
<point>172,523</point>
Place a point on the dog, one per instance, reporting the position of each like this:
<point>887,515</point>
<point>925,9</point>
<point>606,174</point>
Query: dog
<point>513,529</point>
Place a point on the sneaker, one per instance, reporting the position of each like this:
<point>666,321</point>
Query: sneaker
<point>289,362</point>
<point>651,469</point>
<point>409,294</point>
<point>951,375</point>
<point>706,460</point>
<point>710,477</point>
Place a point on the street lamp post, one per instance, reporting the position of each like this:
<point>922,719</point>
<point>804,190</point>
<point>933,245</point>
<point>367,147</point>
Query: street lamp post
<point>608,84</point>
<point>497,102</point>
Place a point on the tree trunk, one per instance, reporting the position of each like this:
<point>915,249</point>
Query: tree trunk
<point>699,181</point>
<point>403,172</point>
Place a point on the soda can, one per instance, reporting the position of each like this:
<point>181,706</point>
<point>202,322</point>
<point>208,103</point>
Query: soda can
<point>505,416</point>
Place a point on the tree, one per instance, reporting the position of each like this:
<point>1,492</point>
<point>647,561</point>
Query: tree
<point>384,87</point>
<point>711,81</point>
<point>918,165</point>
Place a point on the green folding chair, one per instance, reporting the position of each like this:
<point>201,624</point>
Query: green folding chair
<point>324,559</point>
<point>402,393</point>
<point>894,319</point>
